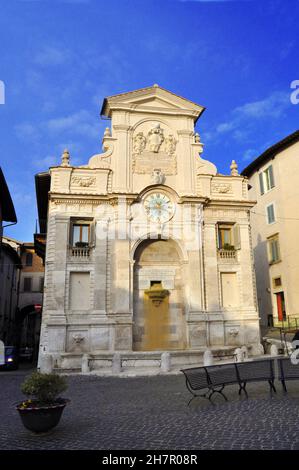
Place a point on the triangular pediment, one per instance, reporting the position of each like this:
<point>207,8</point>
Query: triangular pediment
<point>154,101</point>
<point>149,99</point>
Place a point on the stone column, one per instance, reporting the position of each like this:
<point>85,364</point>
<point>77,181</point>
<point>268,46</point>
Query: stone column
<point>56,321</point>
<point>121,314</point>
<point>211,267</point>
<point>121,163</point>
<point>215,324</point>
<point>100,267</point>
<point>185,162</point>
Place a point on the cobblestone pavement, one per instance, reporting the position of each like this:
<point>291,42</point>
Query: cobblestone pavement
<point>152,413</point>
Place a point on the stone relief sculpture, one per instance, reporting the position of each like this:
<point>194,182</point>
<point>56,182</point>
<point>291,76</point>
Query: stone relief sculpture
<point>139,143</point>
<point>157,176</point>
<point>170,144</point>
<point>78,338</point>
<point>154,147</point>
<point>84,181</point>
<point>222,188</point>
<point>155,138</point>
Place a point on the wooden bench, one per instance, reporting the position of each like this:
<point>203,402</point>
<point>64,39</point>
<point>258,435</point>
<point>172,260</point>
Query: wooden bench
<point>213,379</point>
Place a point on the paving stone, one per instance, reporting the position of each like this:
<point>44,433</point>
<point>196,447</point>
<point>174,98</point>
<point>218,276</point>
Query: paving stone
<point>152,413</point>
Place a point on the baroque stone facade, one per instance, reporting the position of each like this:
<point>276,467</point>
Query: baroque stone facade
<point>148,247</point>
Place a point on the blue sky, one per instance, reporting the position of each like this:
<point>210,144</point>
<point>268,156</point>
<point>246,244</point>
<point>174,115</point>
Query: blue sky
<point>60,58</point>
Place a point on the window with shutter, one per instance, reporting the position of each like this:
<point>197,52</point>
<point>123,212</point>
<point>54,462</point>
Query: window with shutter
<point>266,178</point>
<point>273,249</point>
<point>270,214</point>
<point>261,176</point>
<point>271,177</point>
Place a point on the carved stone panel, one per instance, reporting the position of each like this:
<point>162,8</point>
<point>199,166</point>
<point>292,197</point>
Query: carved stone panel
<point>223,189</point>
<point>83,181</point>
<point>154,146</point>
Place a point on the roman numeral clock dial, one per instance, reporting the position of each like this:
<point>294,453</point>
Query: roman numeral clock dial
<point>158,207</point>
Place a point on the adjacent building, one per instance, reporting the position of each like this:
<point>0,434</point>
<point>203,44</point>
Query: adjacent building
<point>275,221</point>
<point>9,267</point>
<point>148,246</point>
<point>27,321</point>
<point>7,210</point>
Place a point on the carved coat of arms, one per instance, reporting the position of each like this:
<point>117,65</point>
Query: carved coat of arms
<point>154,149</point>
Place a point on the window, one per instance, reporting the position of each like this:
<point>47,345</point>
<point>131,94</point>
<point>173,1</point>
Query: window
<point>27,284</point>
<point>270,214</point>
<point>80,234</point>
<point>266,180</point>
<point>225,237</point>
<point>228,236</point>
<point>41,284</point>
<point>277,282</point>
<point>28,259</point>
<point>273,249</point>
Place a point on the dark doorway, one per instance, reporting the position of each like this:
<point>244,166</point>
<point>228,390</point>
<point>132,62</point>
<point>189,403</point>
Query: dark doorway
<point>281,311</point>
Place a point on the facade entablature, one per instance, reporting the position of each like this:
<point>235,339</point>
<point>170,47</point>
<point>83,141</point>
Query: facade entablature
<point>227,188</point>
<point>79,180</point>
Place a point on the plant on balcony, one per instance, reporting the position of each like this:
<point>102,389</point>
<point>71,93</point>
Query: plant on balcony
<point>43,409</point>
<point>227,246</point>
<point>81,244</point>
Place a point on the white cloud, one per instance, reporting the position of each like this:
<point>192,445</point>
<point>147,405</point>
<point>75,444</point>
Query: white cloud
<point>49,160</point>
<point>51,56</point>
<point>244,117</point>
<point>81,122</point>
<point>273,106</point>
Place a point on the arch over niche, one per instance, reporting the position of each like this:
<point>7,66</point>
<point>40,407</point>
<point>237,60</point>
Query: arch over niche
<point>157,119</point>
<point>158,301</point>
<point>154,237</point>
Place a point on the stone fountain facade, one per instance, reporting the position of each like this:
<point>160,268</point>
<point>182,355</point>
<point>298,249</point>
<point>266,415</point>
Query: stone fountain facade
<point>148,214</point>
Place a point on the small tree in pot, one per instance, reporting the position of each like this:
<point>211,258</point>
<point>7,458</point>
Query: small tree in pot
<point>43,410</point>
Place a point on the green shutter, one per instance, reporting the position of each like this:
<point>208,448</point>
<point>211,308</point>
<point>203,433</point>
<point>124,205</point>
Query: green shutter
<point>261,183</point>
<point>270,214</point>
<point>271,177</point>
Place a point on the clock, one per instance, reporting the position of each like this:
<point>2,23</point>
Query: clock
<point>158,207</point>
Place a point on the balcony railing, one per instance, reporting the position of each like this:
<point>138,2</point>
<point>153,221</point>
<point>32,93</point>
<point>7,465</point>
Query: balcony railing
<point>227,255</point>
<point>80,252</point>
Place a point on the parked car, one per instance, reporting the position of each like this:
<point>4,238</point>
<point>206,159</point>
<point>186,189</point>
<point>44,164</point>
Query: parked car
<point>11,359</point>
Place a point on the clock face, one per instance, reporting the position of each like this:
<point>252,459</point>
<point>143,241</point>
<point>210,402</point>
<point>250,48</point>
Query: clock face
<point>158,207</point>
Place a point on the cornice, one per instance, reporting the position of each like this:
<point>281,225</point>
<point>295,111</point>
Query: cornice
<point>243,204</point>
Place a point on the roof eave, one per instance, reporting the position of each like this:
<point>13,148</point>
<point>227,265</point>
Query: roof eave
<point>270,153</point>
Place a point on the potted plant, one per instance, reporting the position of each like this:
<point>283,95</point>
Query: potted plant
<point>43,409</point>
<point>81,244</point>
<point>228,246</point>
